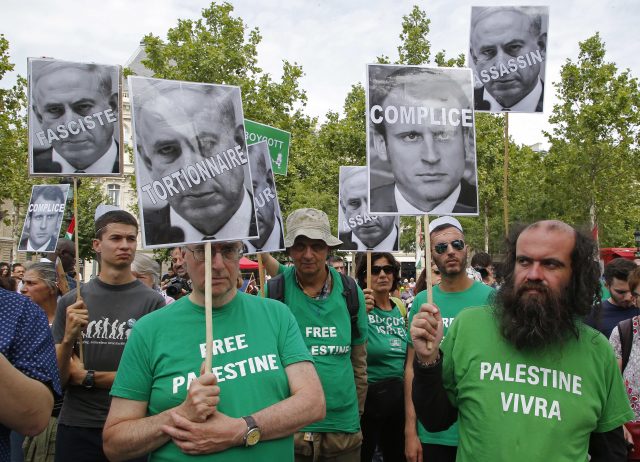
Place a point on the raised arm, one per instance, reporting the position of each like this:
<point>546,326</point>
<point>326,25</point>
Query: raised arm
<point>271,265</point>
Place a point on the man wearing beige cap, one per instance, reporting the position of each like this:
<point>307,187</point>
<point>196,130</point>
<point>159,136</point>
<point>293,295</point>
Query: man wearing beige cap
<point>330,310</point>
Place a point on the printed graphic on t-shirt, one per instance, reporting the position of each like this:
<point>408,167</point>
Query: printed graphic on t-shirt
<point>231,370</point>
<point>106,331</point>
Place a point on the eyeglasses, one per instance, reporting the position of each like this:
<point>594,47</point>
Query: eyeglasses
<point>388,269</point>
<point>229,253</point>
<point>442,247</point>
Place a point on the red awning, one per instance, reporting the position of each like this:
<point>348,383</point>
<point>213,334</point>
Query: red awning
<point>246,264</point>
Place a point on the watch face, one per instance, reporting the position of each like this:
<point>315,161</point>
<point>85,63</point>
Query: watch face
<point>253,437</point>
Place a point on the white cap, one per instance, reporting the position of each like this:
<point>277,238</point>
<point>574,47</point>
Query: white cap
<point>445,220</point>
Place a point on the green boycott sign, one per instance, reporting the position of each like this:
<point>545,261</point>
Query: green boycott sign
<point>277,140</point>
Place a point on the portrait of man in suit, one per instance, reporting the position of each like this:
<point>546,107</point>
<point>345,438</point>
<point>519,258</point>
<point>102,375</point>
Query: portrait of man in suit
<point>421,141</point>
<point>75,111</point>
<point>189,138</point>
<point>266,202</point>
<point>44,216</point>
<point>507,50</point>
<point>359,230</point>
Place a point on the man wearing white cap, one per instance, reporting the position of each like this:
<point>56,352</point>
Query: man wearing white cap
<point>331,314</point>
<point>455,292</point>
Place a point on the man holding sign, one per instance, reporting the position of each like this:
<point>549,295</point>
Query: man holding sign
<point>526,377</point>
<point>110,305</point>
<point>420,124</point>
<point>262,388</point>
<point>456,292</point>
<point>190,140</point>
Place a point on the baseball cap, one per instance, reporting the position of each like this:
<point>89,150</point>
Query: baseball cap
<point>445,220</point>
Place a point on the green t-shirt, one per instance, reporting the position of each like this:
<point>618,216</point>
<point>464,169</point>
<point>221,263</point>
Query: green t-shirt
<point>450,304</point>
<point>326,329</point>
<point>529,405</point>
<point>387,344</point>
<point>255,339</point>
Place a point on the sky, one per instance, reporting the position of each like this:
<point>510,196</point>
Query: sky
<point>333,40</point>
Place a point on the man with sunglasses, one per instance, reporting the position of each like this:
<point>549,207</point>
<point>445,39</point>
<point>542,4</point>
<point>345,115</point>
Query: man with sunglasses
<point>319,298</point>
<point>262,388</point>
<point>620,304</point>
<point>455,293</point>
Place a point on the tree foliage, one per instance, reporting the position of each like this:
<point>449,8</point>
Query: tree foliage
<point>592,168</point>
<point>14,181</point>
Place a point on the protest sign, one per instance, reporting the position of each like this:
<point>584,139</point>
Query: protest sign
<point>74,118</point>
<point>278,142</point>
<point>192,168</point>
<point>420,141</point>
<point>357,229</point>
<point>266,203</point>
<point>507,53</point>
<point>44,217</point>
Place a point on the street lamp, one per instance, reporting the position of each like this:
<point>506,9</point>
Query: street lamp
<point>636,236</point>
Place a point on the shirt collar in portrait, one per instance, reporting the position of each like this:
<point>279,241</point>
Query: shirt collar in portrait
<point>42,248</point>
<point>526,104</point>
<point>103,165</point>
<point>387,244</point>
<point>272,244</point>
<point>444,207</point>
<point>238,225</point>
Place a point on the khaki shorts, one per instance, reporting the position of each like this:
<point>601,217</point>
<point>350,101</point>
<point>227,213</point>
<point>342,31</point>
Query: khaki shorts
<point>41,448</point>
<point>321,446</point>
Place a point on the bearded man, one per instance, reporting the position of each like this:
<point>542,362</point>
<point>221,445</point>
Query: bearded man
<point>525,377</point>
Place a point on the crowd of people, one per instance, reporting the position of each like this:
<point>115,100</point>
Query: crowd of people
<point>324,367</point>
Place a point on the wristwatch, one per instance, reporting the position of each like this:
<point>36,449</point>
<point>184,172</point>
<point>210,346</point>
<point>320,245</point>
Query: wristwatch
<point>252,436</point>
<point>89,380</point>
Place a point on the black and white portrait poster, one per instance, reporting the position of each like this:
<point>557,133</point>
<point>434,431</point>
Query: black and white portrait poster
<point>357,229</point>
<point>74,118</point>
<point>265,198</point>
<point>192,167</point>
<point>44,216</point>
<point>507,52</point>
<point>421,141</point>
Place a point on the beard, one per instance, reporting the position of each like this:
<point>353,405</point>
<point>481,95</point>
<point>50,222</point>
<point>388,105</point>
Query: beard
<point>534,320</point>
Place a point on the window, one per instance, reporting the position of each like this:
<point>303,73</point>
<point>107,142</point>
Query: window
<point>113,191</point>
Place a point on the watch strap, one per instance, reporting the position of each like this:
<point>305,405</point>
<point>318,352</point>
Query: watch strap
<point>253,430</point>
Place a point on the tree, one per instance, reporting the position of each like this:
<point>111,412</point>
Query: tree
<point>14,181</point>
<point>592,166</point>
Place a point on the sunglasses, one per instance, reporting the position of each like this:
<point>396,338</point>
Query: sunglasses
<point>388,269</point>
<point>442,247</point>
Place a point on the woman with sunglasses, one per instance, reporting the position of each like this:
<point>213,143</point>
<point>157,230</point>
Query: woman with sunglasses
<point>40,285</point>
<point>382,423</point>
